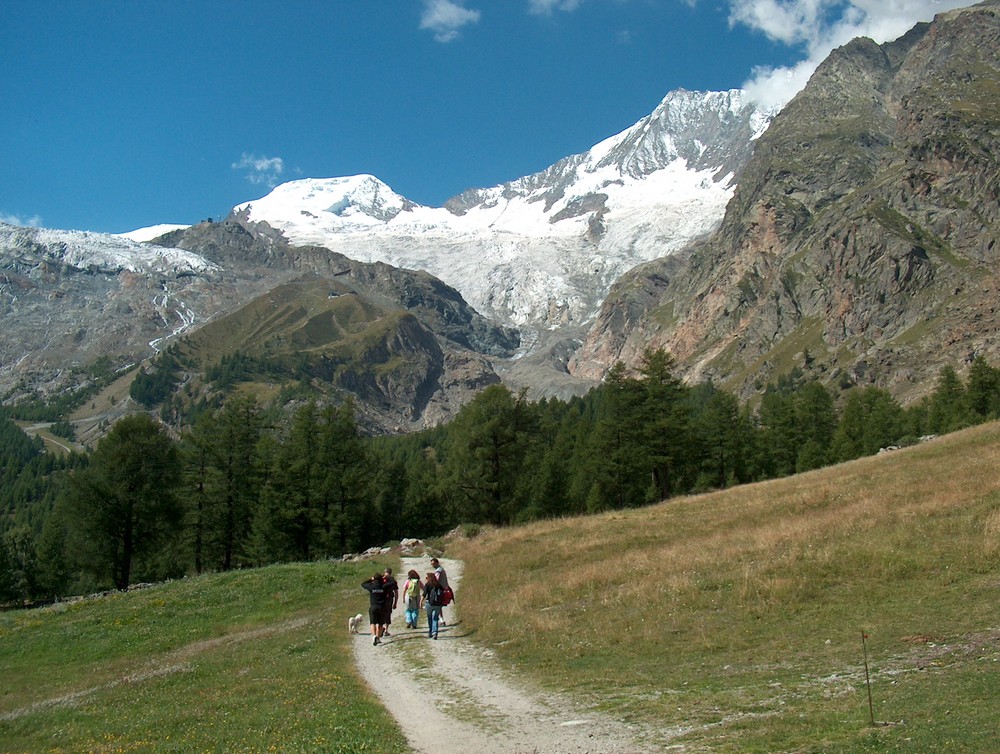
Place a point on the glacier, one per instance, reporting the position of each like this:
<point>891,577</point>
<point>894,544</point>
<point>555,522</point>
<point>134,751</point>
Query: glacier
<point>103,252</point>
<point>541,252</point>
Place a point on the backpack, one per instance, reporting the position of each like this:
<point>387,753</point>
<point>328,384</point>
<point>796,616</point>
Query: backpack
<point>436,595</point>
<point>447,596</point>
<point>412,589</point>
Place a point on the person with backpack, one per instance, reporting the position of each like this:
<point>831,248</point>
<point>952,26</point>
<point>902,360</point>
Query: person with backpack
<point>432,599</point>
<point>376,607</point>
<point>412,590</point>
<point>442,577</point>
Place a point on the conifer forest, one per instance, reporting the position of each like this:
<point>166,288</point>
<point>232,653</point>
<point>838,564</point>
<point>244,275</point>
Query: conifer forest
<point>242,484</point>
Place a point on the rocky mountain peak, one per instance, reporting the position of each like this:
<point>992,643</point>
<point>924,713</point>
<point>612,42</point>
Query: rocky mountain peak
<point>707,130</point>
<point>862,238</point>
<point>712,131</point>
<point>540,252</point>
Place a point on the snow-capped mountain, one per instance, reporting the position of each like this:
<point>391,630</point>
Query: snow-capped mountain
<point>542,251</point>
<point>153,231</point>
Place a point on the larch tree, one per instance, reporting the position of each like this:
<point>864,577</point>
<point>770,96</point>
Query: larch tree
<point>123,505</point>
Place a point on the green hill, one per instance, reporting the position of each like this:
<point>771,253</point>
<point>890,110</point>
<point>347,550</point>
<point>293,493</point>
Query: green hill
<point>246,661</point>
<point>726,622</point>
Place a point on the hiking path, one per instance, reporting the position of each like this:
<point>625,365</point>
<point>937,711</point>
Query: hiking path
<point>452,696</point>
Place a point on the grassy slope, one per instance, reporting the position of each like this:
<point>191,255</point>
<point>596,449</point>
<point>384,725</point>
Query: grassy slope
<point>728,622</point>
<point>252,661</point>
<point>732,622</point>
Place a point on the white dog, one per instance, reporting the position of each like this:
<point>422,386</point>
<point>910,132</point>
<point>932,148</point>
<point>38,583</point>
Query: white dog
<point>354,624</point>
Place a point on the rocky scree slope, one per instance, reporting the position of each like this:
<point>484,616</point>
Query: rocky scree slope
<point>69,298</point>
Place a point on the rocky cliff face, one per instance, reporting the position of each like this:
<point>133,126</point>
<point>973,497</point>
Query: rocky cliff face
<point>862,241</point>
<point>339,338</point>
<point>405,346</point>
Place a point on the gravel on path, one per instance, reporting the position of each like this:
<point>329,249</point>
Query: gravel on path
<point>451,696</point>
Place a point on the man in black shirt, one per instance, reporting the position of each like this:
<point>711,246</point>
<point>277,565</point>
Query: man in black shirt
<point>391,589</point>
<point>376,606</point>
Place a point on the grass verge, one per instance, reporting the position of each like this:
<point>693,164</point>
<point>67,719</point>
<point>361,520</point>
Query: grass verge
<point>249,661</point>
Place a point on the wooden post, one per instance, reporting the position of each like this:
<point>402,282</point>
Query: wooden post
<point>868,681</point>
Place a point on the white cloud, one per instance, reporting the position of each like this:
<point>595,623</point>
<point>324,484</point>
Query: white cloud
<point>792,22</point>
<point>774,87</point>
<point>548,7</point>
<point>445,18</point>
<point>261,170</point>
<point>819,26</point>
<point>28,222</point>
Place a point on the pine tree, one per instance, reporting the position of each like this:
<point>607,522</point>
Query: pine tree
<point>123,506</point>
<point>779,432</point>
<point>486,449</point>
<point>816,421</point>
<point>53,564</point>
<point>871,419</point>
<point>196,457</point>
<point>346,513</point>
<point>389,484</point>
<point>425,512</point>
<point>664,423</point>
<point>545,481</point>
<point>948,409</point>
<point>983,390</point>
<point>18,544</point>
<point>620,459</point>
<point>298,480</point>
<point>238,432</point>
<point>724,434</point>
<point>8,593</point>
<point>268,541</point>
<point>221,474</point>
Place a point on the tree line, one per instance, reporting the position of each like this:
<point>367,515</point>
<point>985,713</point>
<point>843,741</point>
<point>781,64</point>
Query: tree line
<point>244,487</point>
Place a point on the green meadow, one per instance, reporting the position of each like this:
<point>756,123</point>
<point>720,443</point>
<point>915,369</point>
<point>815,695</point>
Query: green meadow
<point>726,622</point>
<point>246,661</point>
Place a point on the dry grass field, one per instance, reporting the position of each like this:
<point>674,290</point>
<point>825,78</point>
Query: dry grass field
<point>733,621</point>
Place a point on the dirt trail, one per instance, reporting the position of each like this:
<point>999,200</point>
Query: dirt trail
<point>451,696</point>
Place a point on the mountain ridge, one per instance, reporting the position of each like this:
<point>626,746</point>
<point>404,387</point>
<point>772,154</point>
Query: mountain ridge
<point>858,245</point>
<point>541,251</point>
<point>850,236</point>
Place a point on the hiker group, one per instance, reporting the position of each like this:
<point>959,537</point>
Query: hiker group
<point>432,594</point>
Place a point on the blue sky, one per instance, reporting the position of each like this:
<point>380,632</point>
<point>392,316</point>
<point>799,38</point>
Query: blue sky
<point>119,114</point>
